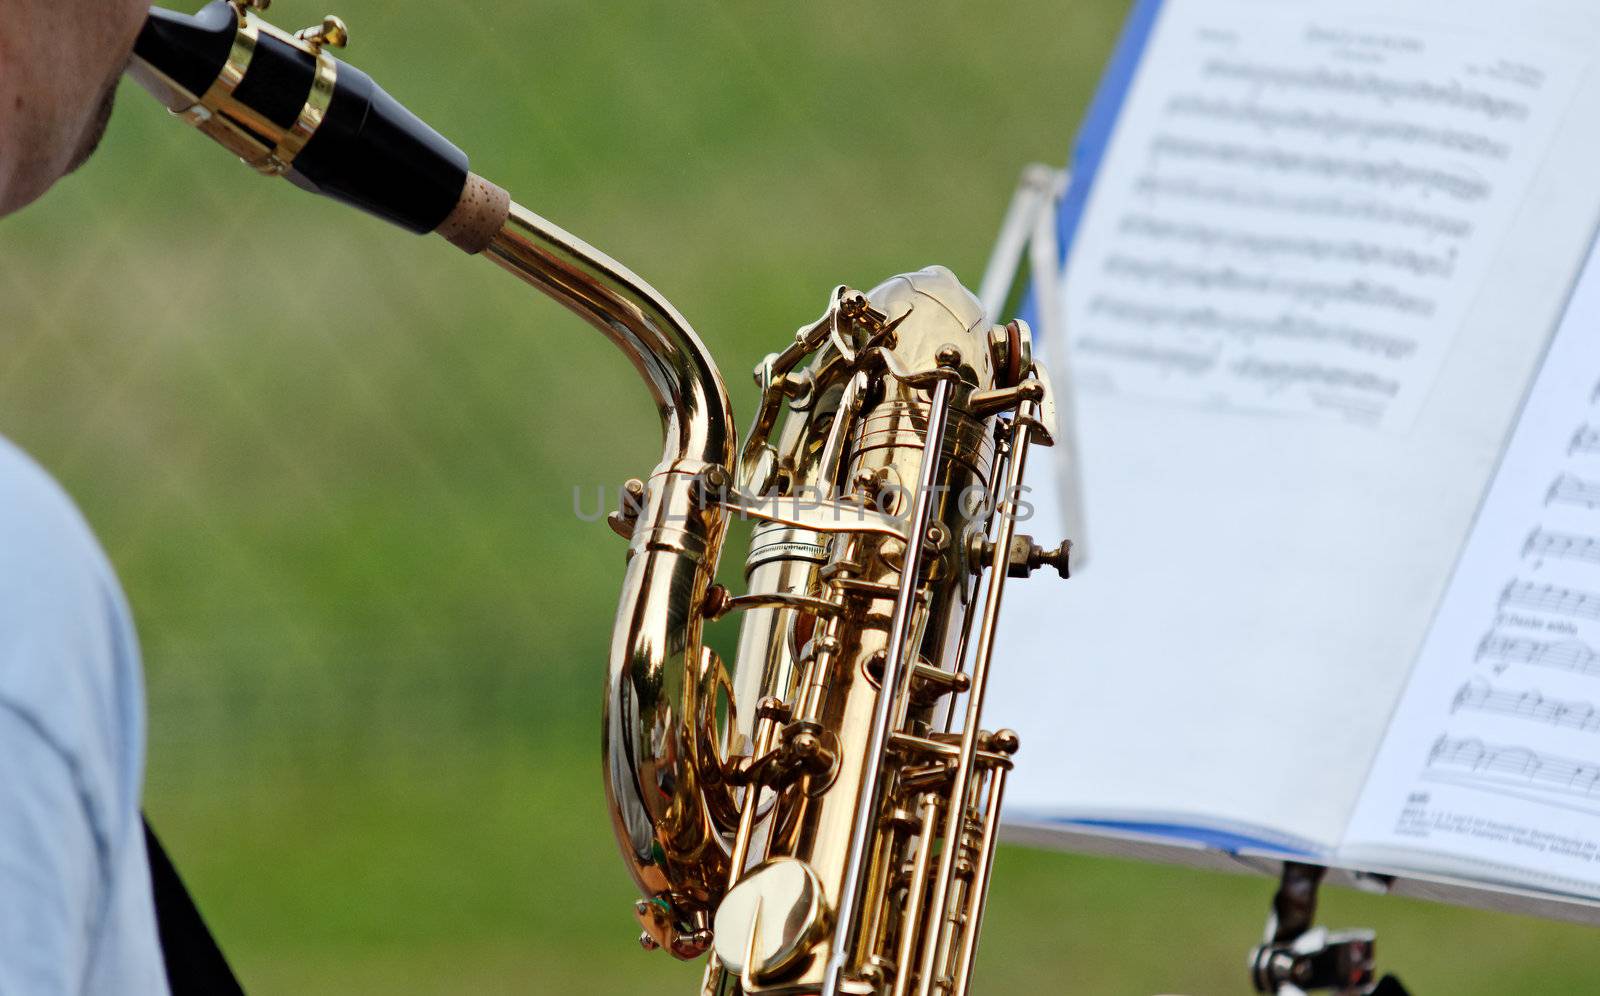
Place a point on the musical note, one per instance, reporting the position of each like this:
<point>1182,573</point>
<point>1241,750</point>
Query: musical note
<point>1530,705</point>
<point>1573,490</point>
<point>1566,655</point>
<point>1585,441</point>
<point>1543,543</point>
<point>1512,765</point>
<point>1551,598</point>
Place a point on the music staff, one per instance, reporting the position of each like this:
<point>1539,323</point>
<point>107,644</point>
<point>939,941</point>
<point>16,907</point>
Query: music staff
<point>1380,173</point>
<point>1567,546</point>
<point>1551,598</point>
<point>1531,705</point>
<point>1333,126</point>
<point>1246,327</point>
<point>1500,652</point>
<point>1515,765</point>
<point>1318,204</point>
<point>1167,273</point>
<point>1571,490</point>
<point>1428,94</point>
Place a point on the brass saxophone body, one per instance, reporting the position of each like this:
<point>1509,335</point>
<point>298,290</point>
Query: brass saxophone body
<point>821,816</point>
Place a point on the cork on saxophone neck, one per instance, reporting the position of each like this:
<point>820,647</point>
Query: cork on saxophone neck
<point>477,216</point>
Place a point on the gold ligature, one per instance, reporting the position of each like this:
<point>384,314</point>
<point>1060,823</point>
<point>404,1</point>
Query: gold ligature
<point>821,818</point>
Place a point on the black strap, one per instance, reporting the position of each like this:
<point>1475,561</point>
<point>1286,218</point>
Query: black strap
<point>195,965</point>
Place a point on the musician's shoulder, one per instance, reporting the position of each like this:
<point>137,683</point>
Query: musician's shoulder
<point>60,605</point>
<point>37,518</point>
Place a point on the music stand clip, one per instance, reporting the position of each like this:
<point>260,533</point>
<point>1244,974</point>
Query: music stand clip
<point>1298,957</point>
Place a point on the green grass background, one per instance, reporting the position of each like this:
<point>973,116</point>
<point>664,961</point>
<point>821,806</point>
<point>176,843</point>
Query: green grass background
<point>334,465</point>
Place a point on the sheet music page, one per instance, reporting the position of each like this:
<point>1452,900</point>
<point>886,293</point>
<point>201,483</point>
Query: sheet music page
<point>1494,752</point>
<point>1263,578</point>
<point>1307,201</point>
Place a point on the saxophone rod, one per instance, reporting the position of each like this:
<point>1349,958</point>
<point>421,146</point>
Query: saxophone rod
<point>869,801</point>
<point>286,107</point>
<point>936,947</point>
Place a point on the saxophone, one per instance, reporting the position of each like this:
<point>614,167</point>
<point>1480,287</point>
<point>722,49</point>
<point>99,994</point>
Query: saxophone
<point>821,817</point>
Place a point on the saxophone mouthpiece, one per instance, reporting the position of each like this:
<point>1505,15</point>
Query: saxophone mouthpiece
<point>287,107</point>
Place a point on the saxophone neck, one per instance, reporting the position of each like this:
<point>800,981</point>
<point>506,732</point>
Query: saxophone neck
<point>675,365</point>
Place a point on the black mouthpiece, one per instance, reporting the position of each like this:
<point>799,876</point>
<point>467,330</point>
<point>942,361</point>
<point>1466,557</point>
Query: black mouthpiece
<point>190,51</point>
<point>264,94</point>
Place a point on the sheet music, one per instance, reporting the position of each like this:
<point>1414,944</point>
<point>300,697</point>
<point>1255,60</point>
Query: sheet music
<point>1494,751</point>
<point>1262,586</point>
<point>1307,200</point>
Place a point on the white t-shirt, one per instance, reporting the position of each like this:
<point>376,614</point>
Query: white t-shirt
<point>76,915</point>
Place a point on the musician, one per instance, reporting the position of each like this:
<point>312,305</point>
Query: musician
<point>76,913</point>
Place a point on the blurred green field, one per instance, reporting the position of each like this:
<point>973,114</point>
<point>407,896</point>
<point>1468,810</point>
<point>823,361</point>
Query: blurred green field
<point>335,467</point>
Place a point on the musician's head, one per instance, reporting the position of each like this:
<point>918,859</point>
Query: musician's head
<point>59,65</point>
